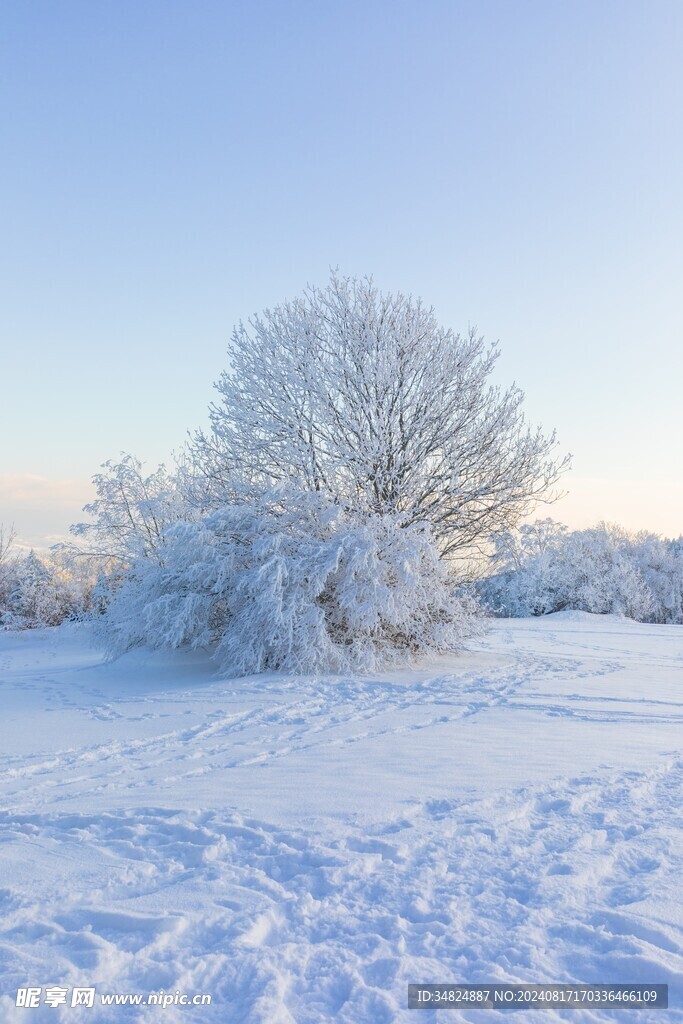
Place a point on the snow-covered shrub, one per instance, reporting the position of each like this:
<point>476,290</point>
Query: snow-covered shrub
<point>605,569</point>
<point>292,582</point>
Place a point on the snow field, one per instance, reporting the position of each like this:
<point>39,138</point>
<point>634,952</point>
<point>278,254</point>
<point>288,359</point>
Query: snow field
<point>304,848</point>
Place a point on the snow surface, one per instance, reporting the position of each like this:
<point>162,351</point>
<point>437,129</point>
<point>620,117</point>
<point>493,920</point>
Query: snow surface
<point>302,848</point>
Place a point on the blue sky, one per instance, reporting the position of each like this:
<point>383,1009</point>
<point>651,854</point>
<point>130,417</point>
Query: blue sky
<point>169,168</point>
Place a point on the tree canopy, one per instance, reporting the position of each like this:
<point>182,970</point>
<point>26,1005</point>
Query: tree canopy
<point>364,396</point>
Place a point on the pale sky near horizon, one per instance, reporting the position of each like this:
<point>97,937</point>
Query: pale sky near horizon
<point>170,168</point>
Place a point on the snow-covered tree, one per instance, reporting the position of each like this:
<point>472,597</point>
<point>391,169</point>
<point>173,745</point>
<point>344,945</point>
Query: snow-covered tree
<point>291,581</point>
<point>356,447</point>
<point>130,512</point>
<point>363,396</point>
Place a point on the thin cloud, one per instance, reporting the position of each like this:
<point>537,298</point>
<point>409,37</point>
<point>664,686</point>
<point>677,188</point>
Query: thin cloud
<point>40,508</point>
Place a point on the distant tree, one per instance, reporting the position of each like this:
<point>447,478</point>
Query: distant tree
<point>364,397</point>
<point>513,549</point>
<point>32,598</point>
<point>605,569</point>
<point>531,578</point>
<point>43,590</point>
<point>660,564</point>
<point>602,575</point>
